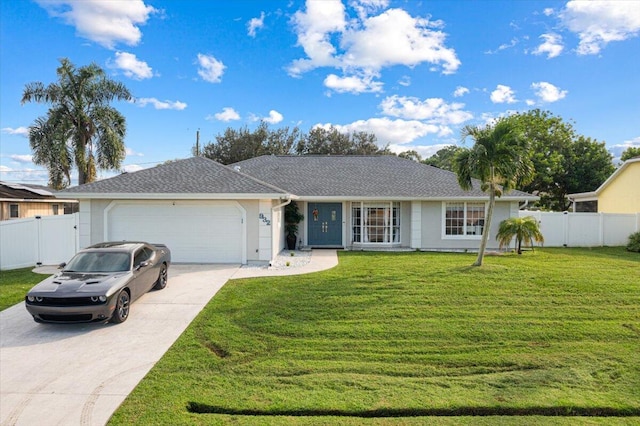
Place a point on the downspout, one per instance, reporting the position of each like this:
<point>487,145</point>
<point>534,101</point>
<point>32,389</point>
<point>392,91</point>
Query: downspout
<point>273,212</point>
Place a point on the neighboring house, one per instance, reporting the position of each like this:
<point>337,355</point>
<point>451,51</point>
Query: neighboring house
<point>618,194</point>
<point>19,201</point>
<point>210,213</point>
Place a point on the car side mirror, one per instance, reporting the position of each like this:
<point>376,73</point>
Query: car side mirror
<point>143,264</point>
<point>62,265</point>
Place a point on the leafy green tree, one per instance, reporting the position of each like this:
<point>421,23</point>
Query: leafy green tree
<point>629,153</point>
<point>411,155</point>
<point>443,158</point>
<point>524,229</point>
<point>500,159</point>
<point>564,161</point>
<point>238,145</point>
<point>321,141</point>
<point>80,127</point>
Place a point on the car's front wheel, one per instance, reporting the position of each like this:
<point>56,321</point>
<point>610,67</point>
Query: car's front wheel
<point>162,278</point>
<point>121,312</point>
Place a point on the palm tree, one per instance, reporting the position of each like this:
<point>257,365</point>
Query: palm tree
<point>525,229</point>
<point>500,159</point>
<point>80,126</point>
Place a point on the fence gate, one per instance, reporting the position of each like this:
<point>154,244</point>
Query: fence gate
<point>41,240</point>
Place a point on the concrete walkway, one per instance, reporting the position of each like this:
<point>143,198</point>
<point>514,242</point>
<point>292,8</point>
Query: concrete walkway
<point>79,374</point>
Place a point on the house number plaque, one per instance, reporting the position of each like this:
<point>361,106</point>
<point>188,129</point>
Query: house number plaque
<point>264,219</point>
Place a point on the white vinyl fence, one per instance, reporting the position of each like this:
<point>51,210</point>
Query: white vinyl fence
<point>565,229</point>
<point>46,240</point>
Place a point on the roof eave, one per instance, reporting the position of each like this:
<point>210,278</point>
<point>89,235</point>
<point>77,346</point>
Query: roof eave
<point>180,196</point>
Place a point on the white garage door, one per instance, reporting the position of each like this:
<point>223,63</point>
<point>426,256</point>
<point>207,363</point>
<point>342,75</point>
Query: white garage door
<point>197,232</point>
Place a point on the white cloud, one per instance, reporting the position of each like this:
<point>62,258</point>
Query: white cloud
<point>503,94</point>
<point>425,151</point>
<point>460,91</point>
<point>598,23</point>
<point>503,46</point>
<point>131,153</point>
<point>330,38</point>
<point>547,92</point>
<point>130,168</point>
<point>365,8</point>
<point>405,81</point>
<point>33,176</point>
<point>314,28</point>
<point>400,40</point>
<point>548,11</point>
<point>433,110</point>
<point>227,114</point>
<point>211,69</point>
<point>617,149</point>
<point>157,104</point>
<point>552,45</point>
<point>273,118</point>
<point>388,131</point>
<point>255,24</point>
<point>22,158</point>
<point>353,84</point>
<point>22,131</point>
<point>131,66</point>
<point>104,22</point>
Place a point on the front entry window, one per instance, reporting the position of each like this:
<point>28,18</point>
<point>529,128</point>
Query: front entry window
<point>375,222</point>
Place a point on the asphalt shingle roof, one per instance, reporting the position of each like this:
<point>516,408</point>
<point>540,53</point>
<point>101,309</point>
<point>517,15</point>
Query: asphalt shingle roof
<point>197,175</point>
<point>358,176</point>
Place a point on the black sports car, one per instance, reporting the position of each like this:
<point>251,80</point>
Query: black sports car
<point>99,283</point>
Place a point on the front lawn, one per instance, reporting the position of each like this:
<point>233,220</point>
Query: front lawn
<point>388,338</point>
<point>14,285</point>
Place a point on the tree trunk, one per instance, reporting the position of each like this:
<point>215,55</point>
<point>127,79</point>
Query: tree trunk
<point>487,228</point>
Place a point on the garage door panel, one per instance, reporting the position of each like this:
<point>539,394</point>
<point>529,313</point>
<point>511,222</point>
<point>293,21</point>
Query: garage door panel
<point>199,233</point>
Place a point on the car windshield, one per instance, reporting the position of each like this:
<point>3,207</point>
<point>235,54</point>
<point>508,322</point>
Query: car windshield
<point>99,262</point>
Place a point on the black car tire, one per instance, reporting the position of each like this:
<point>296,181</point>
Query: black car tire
<point>121,312</point>
<point>162,278</point>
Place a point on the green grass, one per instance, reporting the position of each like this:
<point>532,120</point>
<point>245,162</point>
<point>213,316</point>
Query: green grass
<point>398,338</point>
<point>14,285</point>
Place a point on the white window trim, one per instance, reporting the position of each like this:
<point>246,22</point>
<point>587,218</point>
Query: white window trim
<point>383,204</point>
<point>464,235</point>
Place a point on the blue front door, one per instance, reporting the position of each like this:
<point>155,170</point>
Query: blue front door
<point>325,224</point>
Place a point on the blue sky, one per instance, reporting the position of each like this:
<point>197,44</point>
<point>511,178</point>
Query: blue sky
<point>412,72</point>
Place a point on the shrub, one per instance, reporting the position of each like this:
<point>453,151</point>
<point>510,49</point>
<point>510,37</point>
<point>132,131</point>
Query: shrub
<point>634,242</point>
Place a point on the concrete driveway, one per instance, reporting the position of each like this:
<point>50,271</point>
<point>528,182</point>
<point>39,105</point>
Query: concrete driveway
<point>80,374</point>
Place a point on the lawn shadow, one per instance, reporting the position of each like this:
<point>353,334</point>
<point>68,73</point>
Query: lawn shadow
<point>561,411</point>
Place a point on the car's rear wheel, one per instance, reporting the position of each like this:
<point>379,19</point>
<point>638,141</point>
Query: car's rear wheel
<point>162,278</point>
<point>121,312</point>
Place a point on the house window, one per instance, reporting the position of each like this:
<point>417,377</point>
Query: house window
<point>55,209</point>
<point>14,211</point>
<point>464,218</point>
<point>375,222</point>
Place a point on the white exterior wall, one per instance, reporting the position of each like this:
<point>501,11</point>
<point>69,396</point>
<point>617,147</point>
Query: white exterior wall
<point>416,224</point>
<point>265,230</point>
<point>432,223</point>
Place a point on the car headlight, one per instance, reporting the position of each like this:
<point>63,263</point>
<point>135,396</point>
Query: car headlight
<point>38,299</point>
<point>31,299</point>
<point>98,299</point>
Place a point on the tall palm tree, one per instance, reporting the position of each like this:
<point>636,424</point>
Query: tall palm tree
<point>525,229</point>
<point>80,126</point>
<point>500,159</point>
